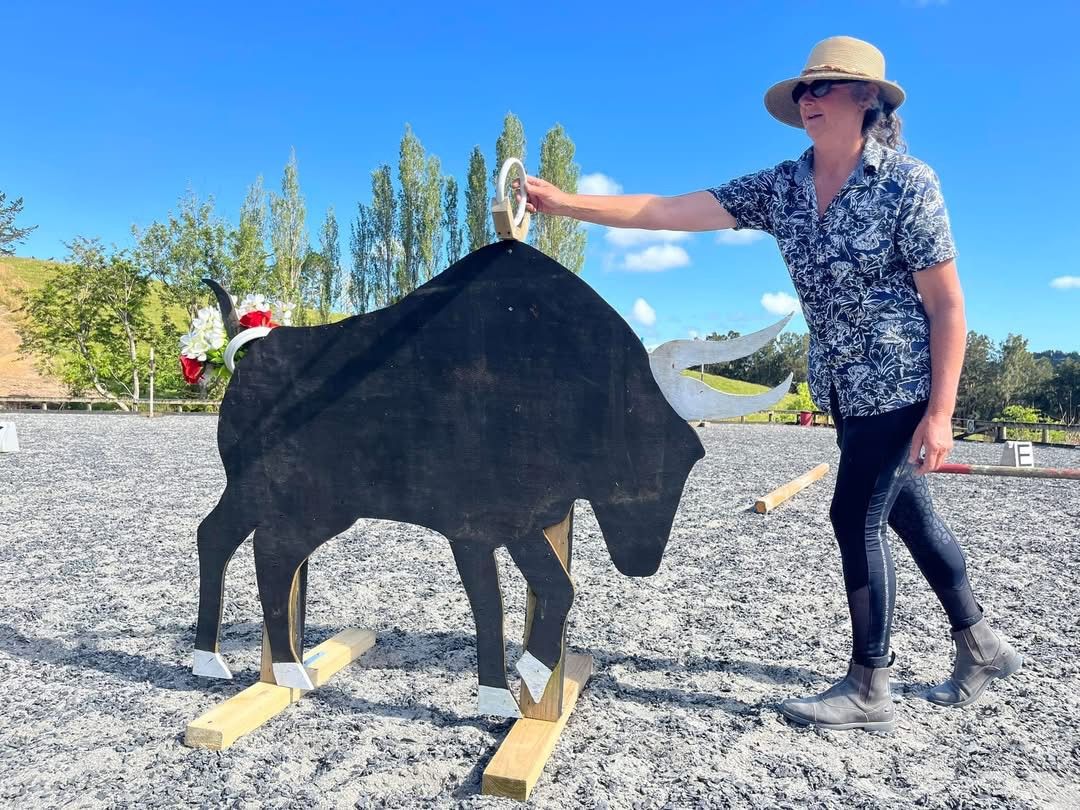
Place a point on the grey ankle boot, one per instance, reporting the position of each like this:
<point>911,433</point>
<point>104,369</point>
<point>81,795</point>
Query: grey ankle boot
<point>861,700</point>
<point>981,656</point>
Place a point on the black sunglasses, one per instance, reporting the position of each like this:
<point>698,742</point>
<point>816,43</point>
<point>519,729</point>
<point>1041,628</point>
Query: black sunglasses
<point>818,89</point>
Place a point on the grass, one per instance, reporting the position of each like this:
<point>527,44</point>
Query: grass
<point>740,388</point>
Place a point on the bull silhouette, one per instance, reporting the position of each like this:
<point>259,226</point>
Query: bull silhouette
<point>482,405</point>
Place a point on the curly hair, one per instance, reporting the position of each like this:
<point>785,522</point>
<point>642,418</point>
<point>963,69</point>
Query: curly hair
<point>879,122</point>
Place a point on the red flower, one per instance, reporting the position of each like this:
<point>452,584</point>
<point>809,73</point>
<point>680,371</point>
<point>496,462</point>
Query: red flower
<point>257,317</point>
<point>193,369</point>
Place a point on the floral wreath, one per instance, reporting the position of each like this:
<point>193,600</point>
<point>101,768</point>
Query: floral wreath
<point>204,348</point>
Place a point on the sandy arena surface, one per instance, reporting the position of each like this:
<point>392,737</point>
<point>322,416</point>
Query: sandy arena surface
<point>97,558</point>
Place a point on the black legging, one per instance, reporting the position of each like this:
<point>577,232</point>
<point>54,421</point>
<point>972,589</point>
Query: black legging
<point>875,484</point>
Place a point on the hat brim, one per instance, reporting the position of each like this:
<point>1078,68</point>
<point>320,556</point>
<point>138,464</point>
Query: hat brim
<point>779,104</point>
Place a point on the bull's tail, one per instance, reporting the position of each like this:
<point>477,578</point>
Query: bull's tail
<point>228,311</point>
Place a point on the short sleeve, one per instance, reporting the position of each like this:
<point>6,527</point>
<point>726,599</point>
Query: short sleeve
<point>923,235</point>
<point>749,199</point>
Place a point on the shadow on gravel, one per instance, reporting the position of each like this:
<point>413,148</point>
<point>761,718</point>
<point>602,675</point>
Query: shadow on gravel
<point>395,649</point>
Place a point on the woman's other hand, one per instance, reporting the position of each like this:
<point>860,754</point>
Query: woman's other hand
<point>933,441</point>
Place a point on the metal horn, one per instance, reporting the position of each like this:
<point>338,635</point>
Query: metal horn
<point>691,398</point>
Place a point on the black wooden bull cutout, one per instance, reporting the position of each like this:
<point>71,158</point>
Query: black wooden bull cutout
<point>480,406</point>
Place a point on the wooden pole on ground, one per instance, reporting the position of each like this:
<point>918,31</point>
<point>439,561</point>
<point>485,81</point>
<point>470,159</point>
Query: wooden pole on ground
<point>1010,472</point>
<point>780,494</point>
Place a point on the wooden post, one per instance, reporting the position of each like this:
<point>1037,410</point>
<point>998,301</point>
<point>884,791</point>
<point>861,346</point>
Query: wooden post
<point>517,765</point>
<point>1045,435</point>
<point>550,706</point>
<point>151,382</point>
<point>241,714</point>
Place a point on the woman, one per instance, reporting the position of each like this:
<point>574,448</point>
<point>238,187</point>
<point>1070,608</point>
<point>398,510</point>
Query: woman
<point>865,234</point>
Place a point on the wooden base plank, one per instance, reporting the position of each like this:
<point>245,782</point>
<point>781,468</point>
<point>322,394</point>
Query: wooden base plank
<point>243,713</point>
<point>517,765</point>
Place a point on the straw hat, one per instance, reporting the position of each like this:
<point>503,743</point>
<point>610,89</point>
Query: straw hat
<point>835,58</point>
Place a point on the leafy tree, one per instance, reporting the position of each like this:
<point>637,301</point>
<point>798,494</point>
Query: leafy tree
<point>410,179</point>
<point>250,270</point>
<point>477,204</point>
<point>431,214</point>
<point>387,247</point>
<point>288,237</point>
<point>561,238</point>
<point>511,143</point>
<point>191,245</point>
<point>329,271</point>
<point>364,271</point>
<point>87,323</point>
<point>9,234</point>
<point>450,222</point>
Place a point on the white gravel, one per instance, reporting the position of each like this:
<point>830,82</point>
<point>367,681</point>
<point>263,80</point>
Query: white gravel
<point>97,559</point>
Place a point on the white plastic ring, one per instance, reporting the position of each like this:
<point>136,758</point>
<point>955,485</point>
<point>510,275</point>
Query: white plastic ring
<point>500,191</point>
<point>248,335</point>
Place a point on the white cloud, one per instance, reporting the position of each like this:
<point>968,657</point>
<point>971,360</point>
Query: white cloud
<point>780,303</point>
<point>597,183</point>
<point>656,258</point>
<point>632,237</point>
<point>1066,283</point>
<point>743,236</point>
<point>643,313</point>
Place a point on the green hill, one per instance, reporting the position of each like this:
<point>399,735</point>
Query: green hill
<point>740,388</point>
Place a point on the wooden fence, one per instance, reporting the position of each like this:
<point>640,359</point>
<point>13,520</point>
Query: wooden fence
<point>1050,433</point>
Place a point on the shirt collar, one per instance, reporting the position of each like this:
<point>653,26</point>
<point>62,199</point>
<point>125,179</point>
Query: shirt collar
<point>872,156</point>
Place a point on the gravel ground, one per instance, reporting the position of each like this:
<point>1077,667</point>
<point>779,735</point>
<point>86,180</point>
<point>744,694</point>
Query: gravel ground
<point>98,566</point>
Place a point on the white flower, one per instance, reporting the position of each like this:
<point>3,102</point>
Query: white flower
<point>252,302</point>
<point>207,333</point>
<point>283,313</point>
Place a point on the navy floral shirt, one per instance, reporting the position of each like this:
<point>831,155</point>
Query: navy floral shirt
<point>852,269</point>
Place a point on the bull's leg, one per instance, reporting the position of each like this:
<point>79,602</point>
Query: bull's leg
<point>219,535</point>
<point>554,590</point>
<point>280,551</point>
<point>480,576</point>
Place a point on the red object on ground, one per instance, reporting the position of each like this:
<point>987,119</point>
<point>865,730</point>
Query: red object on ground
<point>1010,472</point>
<point>806,419</point>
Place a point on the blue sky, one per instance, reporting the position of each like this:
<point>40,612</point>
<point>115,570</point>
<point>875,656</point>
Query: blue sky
<point>114,109</point>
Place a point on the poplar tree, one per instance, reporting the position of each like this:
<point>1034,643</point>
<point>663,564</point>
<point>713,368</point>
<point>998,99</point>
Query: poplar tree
<point>386,247</point>
<point>511,143</point>
<point>477,202</point>
<point>431,233</point>
<point>363,272</point>
<point>450,221</point>
<point>288,236</point>
<point>410,213</point>
<point>250,272</point>
<point>561,238</point>
<point>329,287</point>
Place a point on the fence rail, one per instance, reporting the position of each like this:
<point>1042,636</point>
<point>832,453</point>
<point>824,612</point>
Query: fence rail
<point>1051,433</point>
<point>21,403</point>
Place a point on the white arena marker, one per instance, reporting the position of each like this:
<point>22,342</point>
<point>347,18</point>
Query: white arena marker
<point>9,439</point>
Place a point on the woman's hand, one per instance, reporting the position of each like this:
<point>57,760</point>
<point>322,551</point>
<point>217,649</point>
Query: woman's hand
<point>542,196</point>
<point>934,435</point>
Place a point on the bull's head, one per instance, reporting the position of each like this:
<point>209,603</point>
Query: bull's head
<point>636,514</point>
